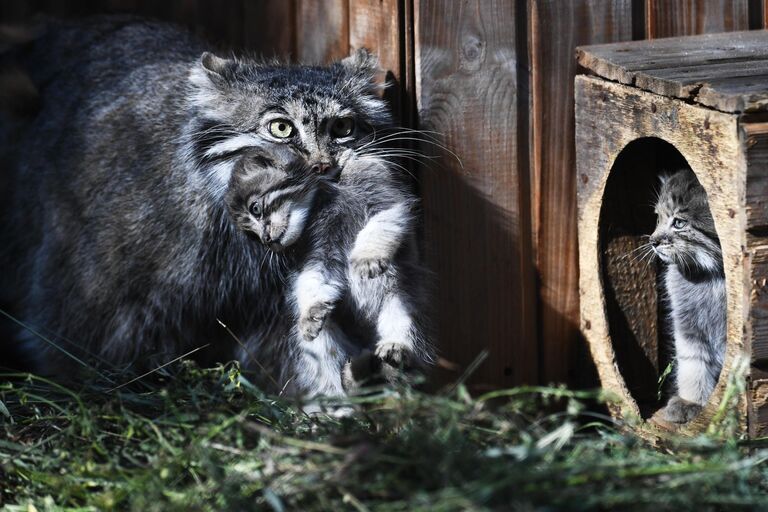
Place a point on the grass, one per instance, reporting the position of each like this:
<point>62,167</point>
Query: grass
<point>206,439</point>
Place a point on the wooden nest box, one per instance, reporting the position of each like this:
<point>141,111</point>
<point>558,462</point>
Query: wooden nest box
<point>648,107</point>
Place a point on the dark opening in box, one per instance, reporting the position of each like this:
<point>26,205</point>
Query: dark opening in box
<point>631,274</point>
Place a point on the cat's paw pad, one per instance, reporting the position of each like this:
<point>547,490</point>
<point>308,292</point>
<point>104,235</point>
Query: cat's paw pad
<point>368,268</point>
<point>312,321</point>
<point>393,353</point>
<point>680,411</point>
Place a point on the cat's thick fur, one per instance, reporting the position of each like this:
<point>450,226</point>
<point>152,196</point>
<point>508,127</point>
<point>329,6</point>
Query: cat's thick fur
<point>686,241</point>
<point>118,244</point>
<point>358,256</point>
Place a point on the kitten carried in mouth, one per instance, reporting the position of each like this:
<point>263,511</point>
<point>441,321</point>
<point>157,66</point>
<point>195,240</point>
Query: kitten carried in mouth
<point>685,240</point>
<point>357,255</point>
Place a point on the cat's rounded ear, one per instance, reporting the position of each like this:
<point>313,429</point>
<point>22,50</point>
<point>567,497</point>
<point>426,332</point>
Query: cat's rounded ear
<point>361,62</point>
<point>209,78</point>
<point>664,177</point>
<point>217,68</point>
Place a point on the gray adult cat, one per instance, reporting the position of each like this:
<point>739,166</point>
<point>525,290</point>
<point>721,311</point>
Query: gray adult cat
<point>685,240</point>
<point>358,255</point>
<point>119,242</point>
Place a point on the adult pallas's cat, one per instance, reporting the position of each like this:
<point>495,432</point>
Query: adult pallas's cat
<point>118,245</point>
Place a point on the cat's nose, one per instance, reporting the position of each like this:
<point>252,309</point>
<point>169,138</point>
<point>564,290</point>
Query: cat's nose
<point>272,236</point>
<point>321,167</point>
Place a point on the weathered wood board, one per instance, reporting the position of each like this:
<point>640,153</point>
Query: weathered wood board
<point>476,206</point>
<point>670,18</point>
<point>708,69</point>
<point>555,29</point>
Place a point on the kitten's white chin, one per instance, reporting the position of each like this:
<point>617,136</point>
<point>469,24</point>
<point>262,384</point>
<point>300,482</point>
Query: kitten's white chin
<point>662,256</point>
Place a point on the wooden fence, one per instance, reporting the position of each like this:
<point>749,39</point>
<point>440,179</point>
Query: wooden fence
<point>495,79</point>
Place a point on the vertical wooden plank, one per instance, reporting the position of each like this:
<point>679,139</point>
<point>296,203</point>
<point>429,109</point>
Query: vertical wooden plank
<point>555,29</point>
<point>665,18</point>
<point>376,25</point>
<point>476,213</point>
<point>763,10</point>
<point>270,27</point>
<point>322,30</point>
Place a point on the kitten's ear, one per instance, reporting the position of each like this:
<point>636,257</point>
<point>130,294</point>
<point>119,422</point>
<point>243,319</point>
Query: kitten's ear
<point>361,63</point>
<point>664,178</point>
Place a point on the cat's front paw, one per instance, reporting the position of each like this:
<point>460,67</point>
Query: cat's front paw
<point>312,321</point>
<point>368,268</point>
<point>679,410</point>
<point>393,353</point>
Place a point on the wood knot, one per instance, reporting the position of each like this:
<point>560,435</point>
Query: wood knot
<point>706,124</point>
<point>587,325</point>
<point>751,142</point>
<point>653,108</point>
<point>584,179</point>
<point>472,52</point>
<point>731,212</point>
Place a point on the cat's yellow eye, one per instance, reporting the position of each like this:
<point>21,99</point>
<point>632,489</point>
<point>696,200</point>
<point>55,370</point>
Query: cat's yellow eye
<point>342,127</point>
<point>281,128</point>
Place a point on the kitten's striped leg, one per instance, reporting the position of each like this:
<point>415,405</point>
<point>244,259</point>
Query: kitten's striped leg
<point>314,295</point>
<point>694,377</point>
<point>379,240</point>
<point>395,328</point>
<point>694,380</point>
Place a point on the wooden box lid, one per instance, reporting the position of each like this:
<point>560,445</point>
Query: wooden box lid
<point>727,72</point>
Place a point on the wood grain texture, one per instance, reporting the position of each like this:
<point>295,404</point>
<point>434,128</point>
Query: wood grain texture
<point>755,137</point>
<point>609,116</point>
<point>723,71</point>
<point>670,18</point>
<point>476,211</point>
<point>758,301</point>
<point>755,141</point>
<point>322,30</point>
<point>758,408</point>
<point>375,25</point>
<point>555,29</point>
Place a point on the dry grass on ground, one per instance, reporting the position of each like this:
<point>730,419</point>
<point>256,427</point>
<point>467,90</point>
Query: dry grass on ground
<point>209,440</point>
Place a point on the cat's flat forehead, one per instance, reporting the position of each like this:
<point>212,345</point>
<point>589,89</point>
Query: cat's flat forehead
<point>682,191</point>
<point>314,85</point>
<point>307,110</point>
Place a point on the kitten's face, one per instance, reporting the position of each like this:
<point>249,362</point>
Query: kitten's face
<point>271,202</point>
<point>322,115</point>
<point>685,231</point>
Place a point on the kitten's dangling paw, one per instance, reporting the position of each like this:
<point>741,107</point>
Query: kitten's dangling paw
<point>393,353</point>
<point>680,411</point>
<point>368,268</point>
<point>311,322</point>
